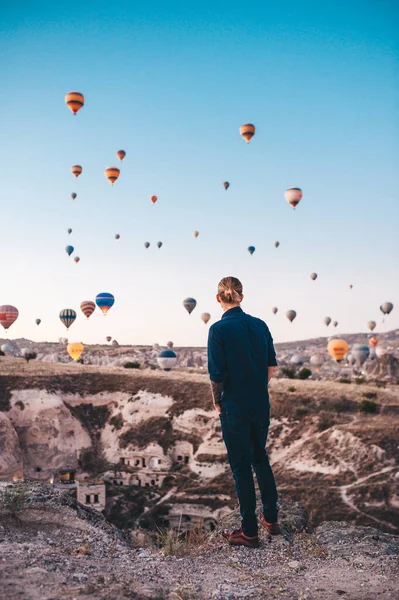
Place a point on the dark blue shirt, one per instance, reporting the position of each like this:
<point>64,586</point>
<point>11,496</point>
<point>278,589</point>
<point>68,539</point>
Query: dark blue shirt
<point>240,350</point>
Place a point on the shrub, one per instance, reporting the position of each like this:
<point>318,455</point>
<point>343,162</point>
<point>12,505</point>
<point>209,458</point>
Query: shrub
<point>2,353</point>
<point>368,406</point>
<point>292,388</point>
<point>288,372</point>
<point>359,380</point>
<point>382,384</point>
<point>91,460</point>
<point>117,421</point>
<point>326,420</point>
<point>132,365</point>
<point>370,395</point>
<point>301,411</point>
<point>304,373</point>
<point>14,498</point>
<point>343,404</point>
<point>30,356</point>
<point>20,404</point>
<point>344,380</point>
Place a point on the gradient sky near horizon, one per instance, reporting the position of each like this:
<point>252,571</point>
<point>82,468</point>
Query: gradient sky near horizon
<point>170,83</point>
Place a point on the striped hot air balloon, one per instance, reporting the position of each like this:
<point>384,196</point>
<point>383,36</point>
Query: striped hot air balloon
<point>87,307</point>
<point>76,170</point>
<point>105,301</point>
<point>67,316</point>
<point>121,154</point>
<point>247,131</point>
<point>74,101</point>
<point>112,174</point>
<point>8,315</point>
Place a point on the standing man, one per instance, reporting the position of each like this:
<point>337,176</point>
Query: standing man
<point>241,361</point>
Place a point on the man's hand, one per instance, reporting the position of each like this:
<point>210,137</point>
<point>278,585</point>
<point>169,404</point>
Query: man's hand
<point>217,407</point>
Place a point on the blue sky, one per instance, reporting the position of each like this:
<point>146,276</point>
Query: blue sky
<point>171,83</point>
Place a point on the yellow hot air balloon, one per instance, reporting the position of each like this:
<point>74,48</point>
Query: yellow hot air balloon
<point>75,350</point>
<point>112,174</point>
<point>337,349</point>
<point>247,131</point>
<point>74,101</point>
<point>76,170</point>
<point>121,154</point>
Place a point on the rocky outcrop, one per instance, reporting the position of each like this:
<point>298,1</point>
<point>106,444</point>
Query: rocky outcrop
<point>55,548</point>
<point>10,451</point>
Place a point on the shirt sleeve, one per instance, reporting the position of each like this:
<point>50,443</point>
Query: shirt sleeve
<point>216,357</point>
<point>271,353</point>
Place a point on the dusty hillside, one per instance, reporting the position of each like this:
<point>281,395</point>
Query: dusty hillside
<point>333,446</point>
<point>54,548</point>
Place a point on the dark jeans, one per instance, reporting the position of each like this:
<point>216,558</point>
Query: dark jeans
<point>245,433</point>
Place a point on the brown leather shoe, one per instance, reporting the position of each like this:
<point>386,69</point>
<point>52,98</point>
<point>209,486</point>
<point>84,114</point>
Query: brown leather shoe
<point>271,528</point>
<point>238,538</point>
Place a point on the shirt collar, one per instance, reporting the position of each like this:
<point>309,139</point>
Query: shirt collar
<point>236,310</point>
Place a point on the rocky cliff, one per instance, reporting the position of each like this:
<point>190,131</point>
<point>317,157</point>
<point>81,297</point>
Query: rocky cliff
<point>51,547</point>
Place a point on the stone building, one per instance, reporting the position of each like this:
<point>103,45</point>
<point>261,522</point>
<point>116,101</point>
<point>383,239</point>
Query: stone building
<point>91,493</point>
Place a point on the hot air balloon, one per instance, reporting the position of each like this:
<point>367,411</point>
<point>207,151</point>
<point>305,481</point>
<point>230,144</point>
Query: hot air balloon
<point>293,196</point>
<point>226,185</point>
<point>8,315</point>
<point>313,276</point>
<point>290,314</point>
<point>360,353</point>
<point>317,361</point>
<point>121,154</point>
<point>296,360</point>
<point>73,195</point>
<point>69,230</point>
<point>74,101</point>
<point>327,321</point>
<point>189,304</point>
<point>67,316</point>
<point>373,341</point>
<point>69,250</point>
<point>337,349</point>
<point>6,349</point>
<point>76,170</point>
<point>251,249</point>
<point>196,234</point>
<point>386,308</point>
<point>205,317</point>
<point>75,350</point>
<point>159,244</point>
<point>351,286</point>
<point>380,351</point>
<point>247,131</point>
<point>350,359</point>
<point>169,345</point>
<point>38,321</point>
<point>117,236</point>
<point>108,338</point>
<point>276,244</point>
<point>335,323</point>
<point>167,359</point>
<point>87,307</point>
<point>76,259</point>
<point>153,199</point>
<point>371,325</point>
<point>146,244</point>
<point>112,174</point>
<point>105,301</point>
<point>274,310</point>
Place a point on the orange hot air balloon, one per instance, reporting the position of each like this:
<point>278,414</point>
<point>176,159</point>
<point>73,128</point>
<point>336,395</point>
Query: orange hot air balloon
<point>153,199</point>
<point>75,350</point>
<point>112,174</point>
<point>293,196</point>
<point>74,101</point>
<point>373,342</point>
<point>121,154</point>
<point>76,170</point>
<point>337,349</point>
<point>247,131</point>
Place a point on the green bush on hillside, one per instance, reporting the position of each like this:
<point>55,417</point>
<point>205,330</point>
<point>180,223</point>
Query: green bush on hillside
<point>304,373</point>
<point>368,407</point>
<point>132,365</point>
